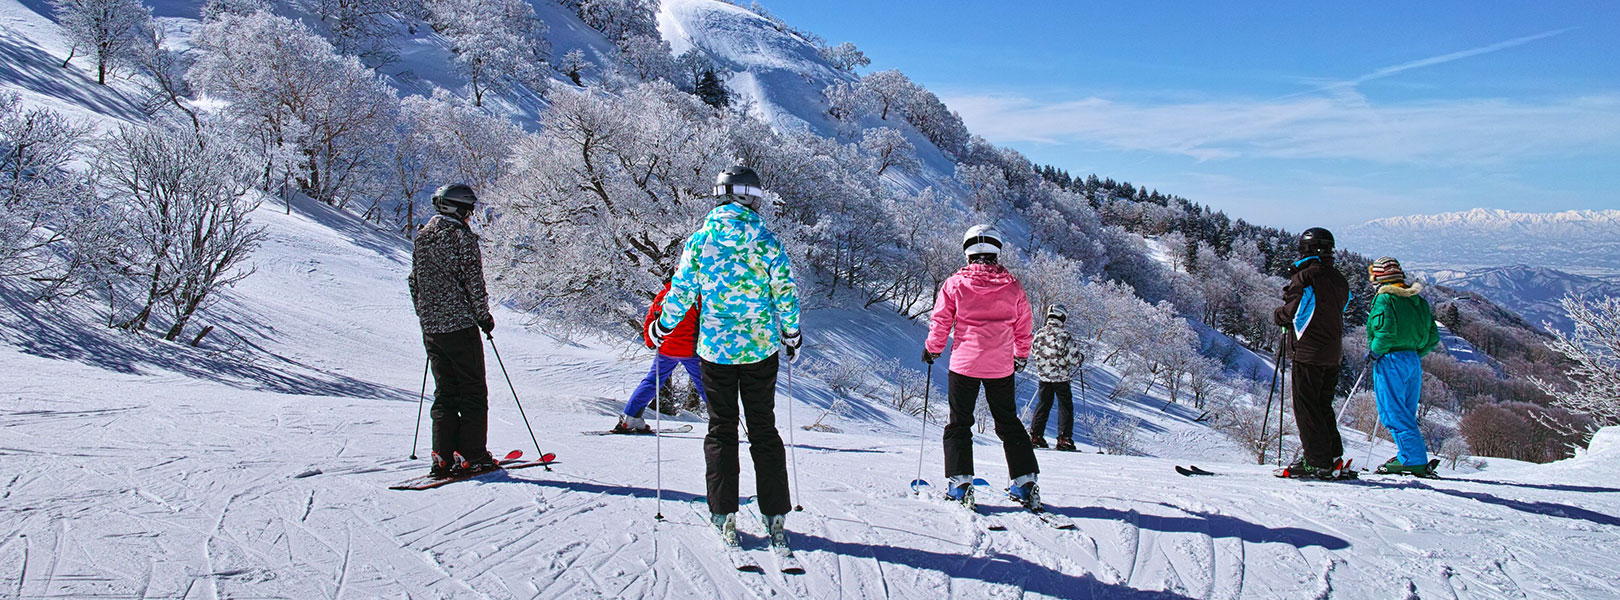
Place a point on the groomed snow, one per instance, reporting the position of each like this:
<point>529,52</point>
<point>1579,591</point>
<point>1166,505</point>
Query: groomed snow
<point>139,469</point>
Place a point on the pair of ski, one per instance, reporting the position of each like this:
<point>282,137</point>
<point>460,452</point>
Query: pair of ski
<point>922,488</point>
<point>512,460</point>
<point>741,559</point>
<point>664,431</point>
<point>1345,473</point>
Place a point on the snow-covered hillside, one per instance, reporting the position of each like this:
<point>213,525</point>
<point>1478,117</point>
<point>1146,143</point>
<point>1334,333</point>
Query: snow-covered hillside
<point>1577,241</point>
<point>1533,292</point>
<point>257,467</point>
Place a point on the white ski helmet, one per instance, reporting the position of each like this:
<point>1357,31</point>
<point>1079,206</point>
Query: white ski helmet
<point>981,239</point>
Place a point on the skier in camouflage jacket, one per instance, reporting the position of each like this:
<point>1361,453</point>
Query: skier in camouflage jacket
<point>1057,354</point>
<point>447,289</point>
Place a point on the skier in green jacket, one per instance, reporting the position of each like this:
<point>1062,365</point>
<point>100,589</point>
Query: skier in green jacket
<point>1400,330</point>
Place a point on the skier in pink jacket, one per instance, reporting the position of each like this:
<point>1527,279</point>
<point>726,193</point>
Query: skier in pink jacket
<point>987,311</point>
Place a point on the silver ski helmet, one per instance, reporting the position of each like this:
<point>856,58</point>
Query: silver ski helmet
<point>1316,241</point>
<point>981,239</point>
<point>738,184</point>
<point>455,199</point>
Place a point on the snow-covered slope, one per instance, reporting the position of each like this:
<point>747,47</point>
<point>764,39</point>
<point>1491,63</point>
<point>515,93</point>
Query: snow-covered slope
<point>1578,241</point>
<point>1533,292</point>
<point>257,466</point>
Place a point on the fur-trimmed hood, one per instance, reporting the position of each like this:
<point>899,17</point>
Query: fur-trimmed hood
<point>1397,289</point>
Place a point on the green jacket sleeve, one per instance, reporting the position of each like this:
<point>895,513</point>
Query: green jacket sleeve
<point>683,287</point>
<point>784,292</point>
<point>1380,325</point>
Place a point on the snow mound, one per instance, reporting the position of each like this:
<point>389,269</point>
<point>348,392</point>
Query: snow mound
<point>1605,445</point>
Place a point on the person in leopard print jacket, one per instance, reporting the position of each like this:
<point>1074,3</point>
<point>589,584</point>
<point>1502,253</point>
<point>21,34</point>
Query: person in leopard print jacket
<point>1057,355</point>
<point>447,288</point>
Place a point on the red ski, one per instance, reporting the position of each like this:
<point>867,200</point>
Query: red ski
<point>513,460</point>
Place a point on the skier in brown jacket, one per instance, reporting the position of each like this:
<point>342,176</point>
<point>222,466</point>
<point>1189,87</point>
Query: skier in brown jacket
<point>447,288</point>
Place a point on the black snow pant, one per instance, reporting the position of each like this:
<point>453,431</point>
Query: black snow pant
<point>1313,411</point>
<point>755,384</point>
<point>1064,395</point>
<point>998,393</point>
<point>460,396</point>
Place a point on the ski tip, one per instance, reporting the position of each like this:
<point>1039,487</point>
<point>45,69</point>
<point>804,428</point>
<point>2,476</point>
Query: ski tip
<point>980,482</point>
<point>548,457</point>
<point>514,455</point>
<point>918,486</point>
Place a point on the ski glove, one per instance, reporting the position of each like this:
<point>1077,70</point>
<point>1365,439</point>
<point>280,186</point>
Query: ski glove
<point>488,324</point>
<point>791,340</point>
<point>1019,362</point>
<point>928,357</point>
<point>656,333</point>
<point>1371,358</point>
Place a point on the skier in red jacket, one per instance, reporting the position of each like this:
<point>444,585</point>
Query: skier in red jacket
<point>679,349</point>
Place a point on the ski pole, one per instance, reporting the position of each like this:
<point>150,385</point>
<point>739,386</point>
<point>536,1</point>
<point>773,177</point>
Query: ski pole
<point>658,434</point>
<point>417,434</point>
<point>793,449</point>
<point>922,437</point>
<point>1282,404</point>
<point>1265,422</point>
<point>1353,389</point>
<point>491,338</point>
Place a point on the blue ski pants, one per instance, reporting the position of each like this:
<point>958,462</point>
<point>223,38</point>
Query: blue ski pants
<point>662,368</point>
<point>1398,382</point>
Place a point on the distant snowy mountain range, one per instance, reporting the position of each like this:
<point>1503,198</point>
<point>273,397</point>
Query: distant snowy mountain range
<point>1533,292</point>
<point>1576,241</point>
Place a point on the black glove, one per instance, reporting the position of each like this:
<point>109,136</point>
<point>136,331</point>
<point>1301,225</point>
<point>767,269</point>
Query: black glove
<point>928,357</point>
<point>656,333</point>
<point>488,324</point>
<point>1371,358</point>
<point>791,341</point>
<point>1019,362</point>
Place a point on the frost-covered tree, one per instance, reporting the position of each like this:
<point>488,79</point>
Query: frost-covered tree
<point>845,57</point>
<point>986,185</point>
<point>494,42</point>
<point>443,139</point>
<point>600,200</point>
<point>574,64</point>
<point>646,58</point>
<point>165,71</point>
<point>847,102</point>
<point>360,28</point>
<point>307,115</point>
<point>39,196</point>
<point>1593,350</point>
<point>106,30</point>
<point>888,90</point>
<point>944,128</point>
<point>619,19</point>
<point>187,213</point>
<point>887,147</point>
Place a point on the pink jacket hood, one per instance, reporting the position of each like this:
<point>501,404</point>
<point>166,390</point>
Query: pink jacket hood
<point>986,311</point>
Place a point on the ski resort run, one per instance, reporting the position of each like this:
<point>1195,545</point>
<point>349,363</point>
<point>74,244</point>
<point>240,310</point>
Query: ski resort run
<point>279,447</point>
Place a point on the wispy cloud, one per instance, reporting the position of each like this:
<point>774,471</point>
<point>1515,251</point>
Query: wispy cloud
<point>1448,132</point>
<point>1454,56</point>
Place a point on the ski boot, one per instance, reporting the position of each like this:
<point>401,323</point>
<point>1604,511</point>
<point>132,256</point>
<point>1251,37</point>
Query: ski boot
<point>1298,470</point>
<point>480,464</point>
<point>441,468</point>
<point>629,424</point>
<point>776,526</point>
<point>1396,467</point>
<point>960,490</point>
<point>1037,441</point>
<point>1026,492</point>
<point>1065,444</point>
<point>726,525</point>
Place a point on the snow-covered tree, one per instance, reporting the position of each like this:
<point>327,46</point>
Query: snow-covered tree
<point>106,30</point>
<point>847,102</point>
<point>944,128</point>
<point>986,185</point>
<point>712,92</point>
<point>599,201</point>
<point>187,213</point>
<point>306,114</point>
<point>845,57</point>
<point>360,28</point>
<point>39,196</point>
<point>887,147</point>
<point>1593,349</point>
<point>494,42</point>
<point>646,58</point>
<point>619,19</point>
<point>442,139</point>
<point>888,90</point>
<point>574,64</point>
<point>165,71</point>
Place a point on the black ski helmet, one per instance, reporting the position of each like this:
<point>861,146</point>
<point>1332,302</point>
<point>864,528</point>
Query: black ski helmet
<point>1316,242</point>
<point>1057,312</point>
<point>739,184</point>
<point>455,199</point>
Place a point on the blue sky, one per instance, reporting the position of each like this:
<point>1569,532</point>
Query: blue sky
<point>1285,113</point>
